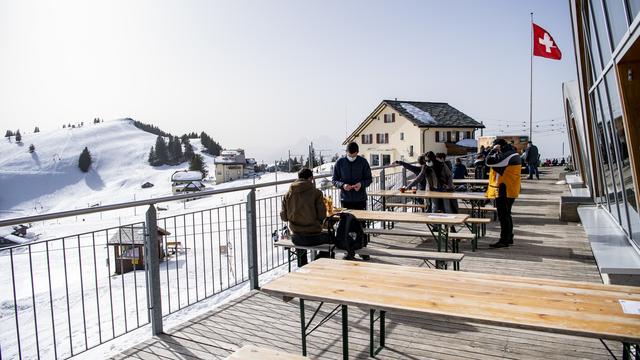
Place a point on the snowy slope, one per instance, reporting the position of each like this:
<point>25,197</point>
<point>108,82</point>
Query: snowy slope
<point>49,180</point>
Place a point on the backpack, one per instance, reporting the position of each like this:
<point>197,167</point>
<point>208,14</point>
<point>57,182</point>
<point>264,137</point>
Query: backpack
<point>349,234</point>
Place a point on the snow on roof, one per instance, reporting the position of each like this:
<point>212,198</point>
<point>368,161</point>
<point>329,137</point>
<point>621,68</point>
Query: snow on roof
<point>421,115</point>
<point>186,176</point>
<point>468,143</point>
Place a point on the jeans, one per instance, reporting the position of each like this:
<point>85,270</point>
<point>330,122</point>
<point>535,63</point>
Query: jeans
<point>355,205</point>
<point>533,169</point>
<point>504,205</point>
<point>308,240</point>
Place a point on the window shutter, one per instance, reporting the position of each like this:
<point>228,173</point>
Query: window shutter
<point>468,134</point>
<point>393,117</point>
<point>386,138</point>
<point>364,139</point>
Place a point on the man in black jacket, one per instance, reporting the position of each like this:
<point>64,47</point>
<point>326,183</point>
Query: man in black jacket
<point>352,175</point>
<point>532,158</point>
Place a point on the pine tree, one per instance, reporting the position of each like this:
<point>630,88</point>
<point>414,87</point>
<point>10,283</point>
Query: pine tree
<point>197,164</point>
<point>36,130</point>
<point>84,162</point>
<point>64,126</point>
<point>9,133</point>
<point>31,149</point>
<point>177,150</point>
<point>161,151</point>
<point>18,136</point>
<point>188,151</point>
<point>153,160</point>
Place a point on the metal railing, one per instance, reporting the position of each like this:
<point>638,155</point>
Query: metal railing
<point>66,295</point>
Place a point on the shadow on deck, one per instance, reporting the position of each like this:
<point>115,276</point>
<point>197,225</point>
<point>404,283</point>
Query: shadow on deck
<point>544,247</point>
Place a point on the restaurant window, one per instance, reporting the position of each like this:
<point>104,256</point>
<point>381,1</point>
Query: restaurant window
<point>375,160</point>
<point>634,8</point>
<point>389,118</point>
<point>386,160</point>
<point>603,152</point>
<point>592,42</point>
<point>601,30</point>
<point>619,135</point>
<point>616,197</point>
<point>617,20</point>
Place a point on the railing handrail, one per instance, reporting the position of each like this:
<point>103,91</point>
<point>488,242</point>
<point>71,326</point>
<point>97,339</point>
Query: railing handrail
<point>128,204</point>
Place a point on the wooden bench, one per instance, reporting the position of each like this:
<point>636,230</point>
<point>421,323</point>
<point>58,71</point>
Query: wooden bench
<point>252,352</point>
<point>391,206</point>
<point>454,237</point>
<point>441,258</point>
<point>478,226</point>
<point>174,245</point>
<point>290,247</point>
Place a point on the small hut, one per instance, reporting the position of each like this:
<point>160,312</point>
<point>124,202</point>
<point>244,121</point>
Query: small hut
<point>128,247</point>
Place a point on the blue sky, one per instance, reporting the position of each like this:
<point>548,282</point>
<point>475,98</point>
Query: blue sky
<point>270,75</point>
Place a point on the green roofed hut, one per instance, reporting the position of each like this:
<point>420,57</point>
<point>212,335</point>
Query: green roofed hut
<point>128,248</point>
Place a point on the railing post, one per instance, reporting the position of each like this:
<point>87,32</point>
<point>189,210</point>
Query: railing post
<point>382,180</point>
<point>252,240</point>
<point>152,267</point>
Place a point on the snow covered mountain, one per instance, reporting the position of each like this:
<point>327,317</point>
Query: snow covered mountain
<point>49,179</point>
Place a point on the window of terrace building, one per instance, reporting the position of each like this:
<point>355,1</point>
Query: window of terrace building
<point>600,33</point>
<point>593,48</point>
<point>386,160</point>
<point>375,160</point>
<point>617,198</point>
<point>367,138</point>
<point>389,118</point>
<point>617,19</point>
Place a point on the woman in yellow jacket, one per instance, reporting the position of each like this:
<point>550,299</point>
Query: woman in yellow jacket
<point>504,186</point>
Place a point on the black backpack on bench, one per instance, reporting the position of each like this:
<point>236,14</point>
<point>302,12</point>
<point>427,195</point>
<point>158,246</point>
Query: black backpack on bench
<point>349,234</point>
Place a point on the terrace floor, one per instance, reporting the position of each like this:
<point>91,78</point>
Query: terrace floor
<point>544,247</point>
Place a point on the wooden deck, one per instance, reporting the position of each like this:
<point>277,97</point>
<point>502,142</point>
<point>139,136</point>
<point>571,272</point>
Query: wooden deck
<point>544,247</point>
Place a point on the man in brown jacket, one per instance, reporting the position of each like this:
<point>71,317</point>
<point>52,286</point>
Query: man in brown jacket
<point>303,207</point>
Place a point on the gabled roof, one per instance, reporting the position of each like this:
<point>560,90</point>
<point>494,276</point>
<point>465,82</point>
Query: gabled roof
<point>423,114</point>
<point>433,114</point>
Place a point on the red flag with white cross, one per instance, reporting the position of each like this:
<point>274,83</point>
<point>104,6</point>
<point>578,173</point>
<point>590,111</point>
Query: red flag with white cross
<point>544,45</point>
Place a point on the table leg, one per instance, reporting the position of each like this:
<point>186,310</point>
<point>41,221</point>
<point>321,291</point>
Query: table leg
<point>345,332</point>
<point>303,329</point>
<point>373,351</point>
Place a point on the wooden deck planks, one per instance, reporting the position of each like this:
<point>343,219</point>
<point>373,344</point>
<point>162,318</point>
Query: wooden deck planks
<point>544,248</point>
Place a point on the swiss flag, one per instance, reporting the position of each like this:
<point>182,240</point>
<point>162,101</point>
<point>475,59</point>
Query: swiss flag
<point>544,45</point>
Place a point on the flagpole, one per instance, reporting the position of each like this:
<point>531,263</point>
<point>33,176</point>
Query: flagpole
<point>531,82</point>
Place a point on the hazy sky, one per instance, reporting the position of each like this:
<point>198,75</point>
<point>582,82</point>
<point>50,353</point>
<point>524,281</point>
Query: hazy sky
<point>265,75</point>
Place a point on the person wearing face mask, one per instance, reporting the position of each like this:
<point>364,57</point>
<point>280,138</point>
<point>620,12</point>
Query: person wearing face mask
<point>439,178</point>
<point>303,207</point>
<point>352,175</point>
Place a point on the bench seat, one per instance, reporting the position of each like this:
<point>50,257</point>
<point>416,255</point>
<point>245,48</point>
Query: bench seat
<point>408,205</point>
<point>441,258</point>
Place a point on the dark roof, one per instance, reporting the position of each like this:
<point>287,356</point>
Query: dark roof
<point>132,235</point>
<point>443,114</point>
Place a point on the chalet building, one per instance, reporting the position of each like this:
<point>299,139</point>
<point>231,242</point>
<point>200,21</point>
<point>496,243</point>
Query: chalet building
<point>230,165</point>
<point>402,130</point>
<point>186,181</point>
<point>250,167</point>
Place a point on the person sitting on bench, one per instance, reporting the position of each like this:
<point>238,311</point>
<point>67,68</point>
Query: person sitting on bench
<point>303,207</point>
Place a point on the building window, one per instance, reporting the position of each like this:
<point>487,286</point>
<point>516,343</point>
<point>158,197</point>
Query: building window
<point>411,150</point>
<point>467,135</point>
<point>386,160</point>
<point>401,136</point>
<point>375,160</point>
<point>601,30</point>
<point>440,136</point>
<point>617,20</point>
<point>367,138</point>
<point>448,136</point>
<point>382,138</point>
<point>389,118</point>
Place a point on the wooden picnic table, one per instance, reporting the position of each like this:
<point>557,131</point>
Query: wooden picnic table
<point>437,224</point>
<point>471,181</point>
<point>566,307</point>
<point>474,199</point>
